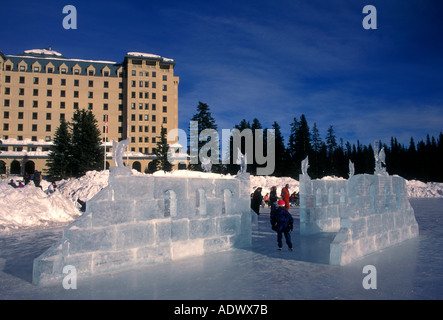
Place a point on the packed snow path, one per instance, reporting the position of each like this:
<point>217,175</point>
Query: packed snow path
<point>410,270</point>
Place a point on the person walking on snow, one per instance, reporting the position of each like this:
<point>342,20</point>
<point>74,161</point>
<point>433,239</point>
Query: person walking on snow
<point>282,222</point>
<point>285,196</point>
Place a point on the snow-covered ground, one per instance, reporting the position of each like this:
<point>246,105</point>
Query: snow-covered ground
<point>31,221</point>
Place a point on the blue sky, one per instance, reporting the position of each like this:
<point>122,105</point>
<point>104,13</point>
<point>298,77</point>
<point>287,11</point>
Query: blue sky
<point>271,60</point>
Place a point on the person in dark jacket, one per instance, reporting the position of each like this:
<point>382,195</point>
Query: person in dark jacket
<point>282,222</point>
<point>256,200</point>
<point>273,198</point>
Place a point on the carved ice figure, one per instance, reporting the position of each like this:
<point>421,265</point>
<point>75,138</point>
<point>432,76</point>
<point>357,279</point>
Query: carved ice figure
<point>206,164</point>
<point>118,148</point>
<point>380,160</point>
<point>242,161</point>
<point>305,166</point>
<point>351,169</point>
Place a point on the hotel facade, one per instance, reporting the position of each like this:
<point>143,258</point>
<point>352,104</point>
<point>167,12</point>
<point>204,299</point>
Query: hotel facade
<point>38,88</point>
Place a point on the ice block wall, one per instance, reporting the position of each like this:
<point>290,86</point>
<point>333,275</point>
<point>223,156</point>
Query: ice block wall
<point>379,215</point>
<point>141,220</point>
<point>321,204</point>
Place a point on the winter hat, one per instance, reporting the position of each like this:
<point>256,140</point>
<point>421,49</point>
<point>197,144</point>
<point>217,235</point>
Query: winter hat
<point>281,203</point>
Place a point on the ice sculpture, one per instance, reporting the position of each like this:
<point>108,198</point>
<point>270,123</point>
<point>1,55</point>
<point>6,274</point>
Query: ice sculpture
<point>380,160</point>
<point>242,161</point>
<point>305,166</point>
<point>144,219</point>
<point>351,169</point>
<point>368,212</point>
<point>118,149</point>
<point>206,164</point>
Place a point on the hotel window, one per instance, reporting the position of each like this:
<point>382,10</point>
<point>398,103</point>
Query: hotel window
<point>106,73</point>
<point>21,80</point>
<point>153,107</point>
<point>7,90</point>
<point>165,120</point>
<point>7,79</point>
<point>140,117</point>
<point>165,78</point>
<point>21,103</point>
<point>146,84</point>
<point>48,116</point>
<point>140,106</point>
<point>36,69</point>
<point>90,94</point>
<point>49,93</point>
<point>133,129</point>
<point>35,80</point>
<point>91,72</point>
<point>21,91</point>
<point>90,83</point>
<point>140,128</point>
<point>90,106</point>
<point>34,127</point>
<point>153,129</point>
<point>50,70</point>
<point>132,117</point>
<point>146,95</point>
<point>146,117</point>
<point>134,73</point>
<point>34,116</point>
<point>154,140</point>
<point>133,83</point>
<point>133,95</point>
<point>22,68</point>
<point>6,126</point>
<point>49,104</point>
<point>146,106</point>
<point>62,93</point>
<point>63,70</point>
<point>62,116</point>
<point>165,87</point>
<point>75,106</point>
<point>6,103</point>
<point>48,128</point>
<point>153,118</point>
<point>154,85</point>
<point>105,106</point>
<point>48,138</point>
<point>76,82</point>
<point>165,109</point>
<point>75,94</point>
<point>133,105</point>
<point>154,96</point>
<point>35,92</point>
<point>154,74</point>
<point>106,84</point>
<point>49,82</point>
<point>6,115</point>
<point>20,127</point>
<point>140,84</point>
<point>140,95</point>
<point>8,67</point>
<point>63,82</point>
<point>62,104</point>
<point>20,115</point>
<point>146,128</point>
<point>35,104</point>
<point>76,71</point>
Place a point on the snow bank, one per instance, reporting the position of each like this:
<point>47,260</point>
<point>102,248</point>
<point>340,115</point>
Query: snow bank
<point>31,207</point>
<point>418,189</point>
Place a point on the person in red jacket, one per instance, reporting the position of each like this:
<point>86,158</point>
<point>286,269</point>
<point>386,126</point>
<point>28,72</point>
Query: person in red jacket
<point>285,196</point>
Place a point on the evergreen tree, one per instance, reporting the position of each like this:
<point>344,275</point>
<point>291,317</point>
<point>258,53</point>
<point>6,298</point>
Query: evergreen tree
<point>280,151</point>
<point>60,156</point>
<point>205,121</point>
<point>161,162</point>
<point>86,143</point>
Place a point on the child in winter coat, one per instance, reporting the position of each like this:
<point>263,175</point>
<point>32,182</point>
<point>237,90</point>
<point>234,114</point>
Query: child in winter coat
<point>282,222</point>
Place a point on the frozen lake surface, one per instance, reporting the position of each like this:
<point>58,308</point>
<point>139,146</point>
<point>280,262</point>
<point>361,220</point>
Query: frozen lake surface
<point>410,270</point>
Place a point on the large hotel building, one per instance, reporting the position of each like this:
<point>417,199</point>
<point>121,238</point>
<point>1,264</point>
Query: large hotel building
<point>39,87</point>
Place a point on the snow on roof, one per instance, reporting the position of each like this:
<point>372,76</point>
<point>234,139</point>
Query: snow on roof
<point>44,51</point>
<point>148,55</point>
